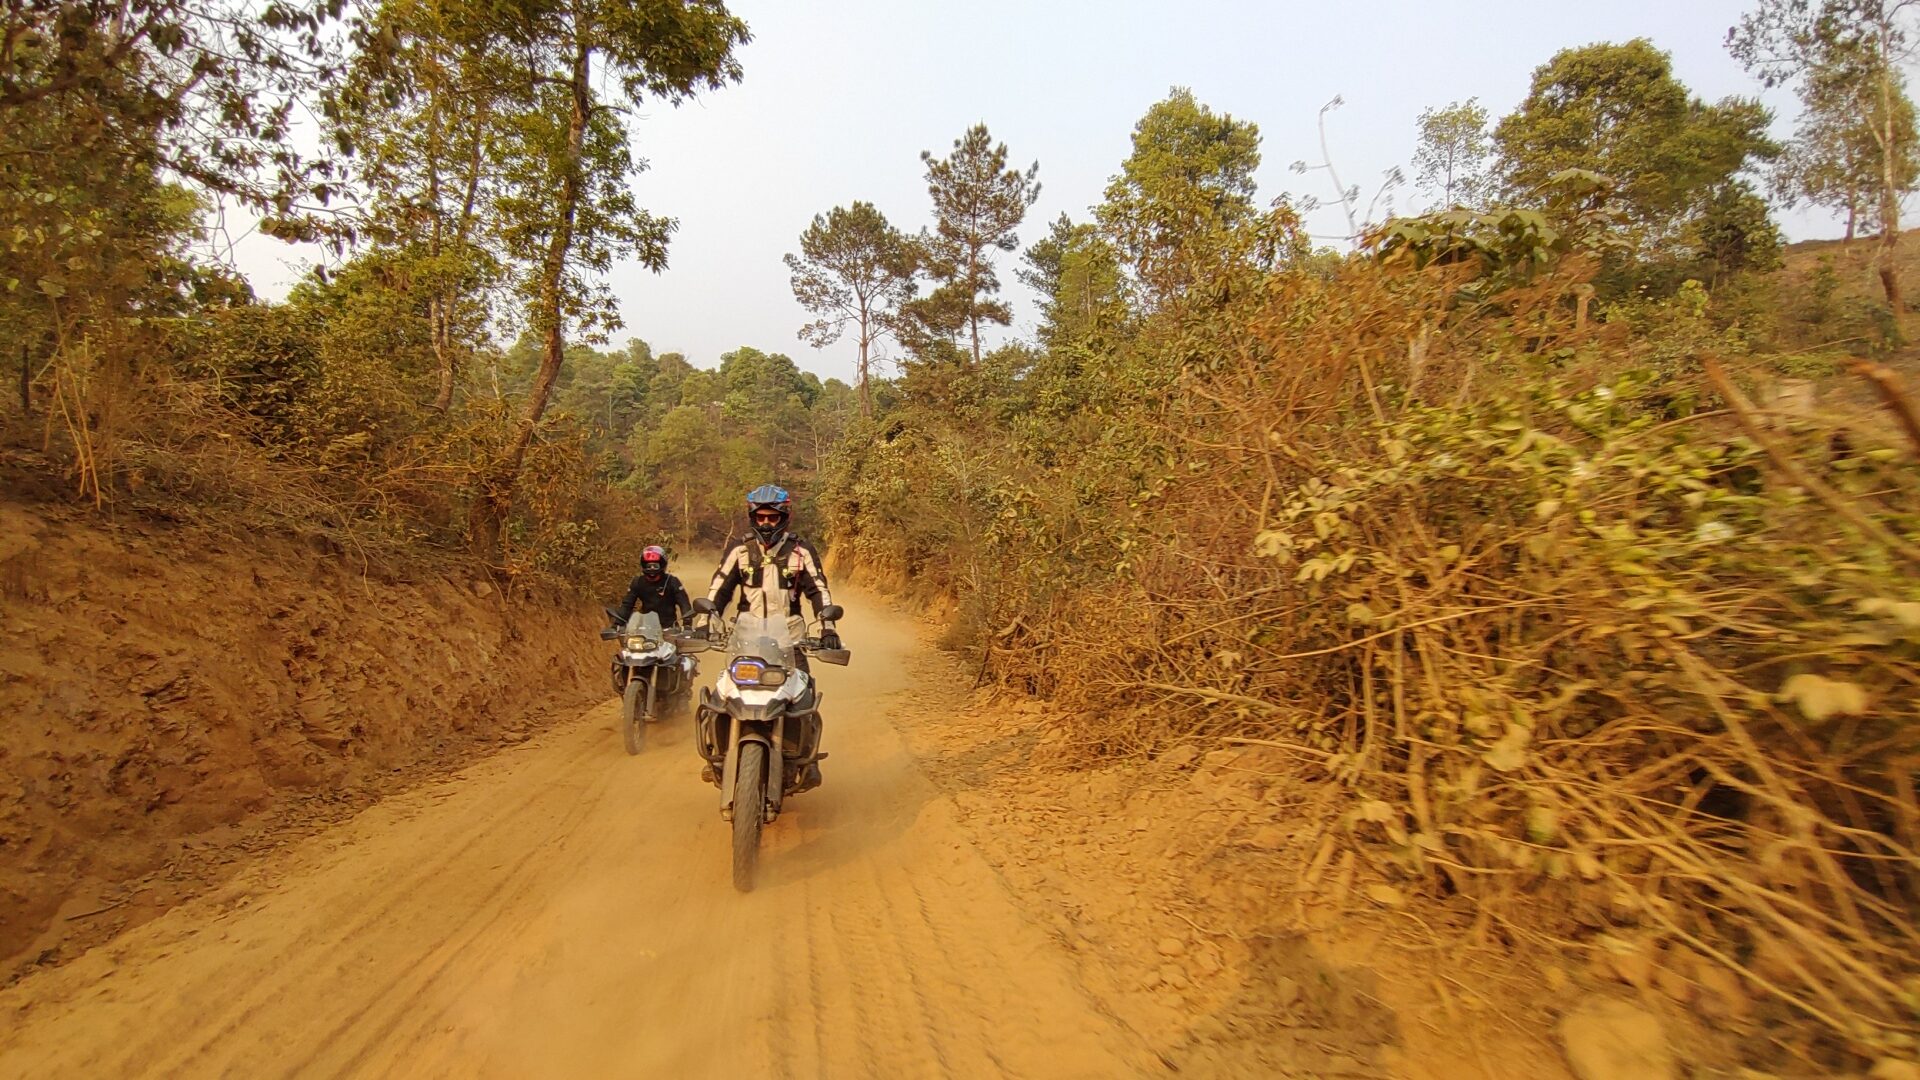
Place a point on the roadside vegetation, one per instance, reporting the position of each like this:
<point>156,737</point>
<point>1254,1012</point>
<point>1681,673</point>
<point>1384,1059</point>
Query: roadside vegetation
<point>1519,522</point>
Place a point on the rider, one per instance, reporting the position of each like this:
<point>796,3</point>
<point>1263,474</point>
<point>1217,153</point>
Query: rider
<point>654,591</point>
<point>770,571</point>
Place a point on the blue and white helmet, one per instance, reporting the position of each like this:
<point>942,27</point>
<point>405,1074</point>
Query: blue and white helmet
<point>769,508</point>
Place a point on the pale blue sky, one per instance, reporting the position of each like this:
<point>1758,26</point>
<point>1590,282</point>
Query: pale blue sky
<point>840,97</point>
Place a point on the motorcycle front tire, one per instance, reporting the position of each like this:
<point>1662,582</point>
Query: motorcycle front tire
<point>633,726</point>
<point>749,808</point>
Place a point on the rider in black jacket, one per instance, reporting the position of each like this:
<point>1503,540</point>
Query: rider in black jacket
<point>654,591</point>
<point>657,591</point>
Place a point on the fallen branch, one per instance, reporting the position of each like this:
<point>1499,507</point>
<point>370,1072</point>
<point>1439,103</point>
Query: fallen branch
<point>98,910</point>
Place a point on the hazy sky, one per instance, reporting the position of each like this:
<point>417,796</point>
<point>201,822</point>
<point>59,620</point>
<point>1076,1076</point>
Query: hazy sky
<point>840,97</point>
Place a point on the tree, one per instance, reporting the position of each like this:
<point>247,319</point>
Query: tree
<point>120,124</point>
<point>207,88</point>
<point>1846,56</point>
<point>1453,161</point>
<point>1617,110</point>
<point>678,454</point>
<point>1734,232</point>
<point>566,207</point>
<point>978,203</point>
<point>419,115</point>
<point>1833,159</point>
<point>854,269</point>
<point>1188,180</point>
<point>1077,273</point>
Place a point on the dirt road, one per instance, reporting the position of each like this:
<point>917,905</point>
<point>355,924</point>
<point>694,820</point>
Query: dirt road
<point>563,909</point>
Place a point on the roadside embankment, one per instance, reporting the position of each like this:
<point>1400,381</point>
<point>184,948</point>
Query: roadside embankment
<point>171,696</point>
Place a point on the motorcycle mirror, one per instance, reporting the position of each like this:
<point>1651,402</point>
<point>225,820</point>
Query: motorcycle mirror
<point>704,606</point>
<point>611,614</point>
<point>833,611</point>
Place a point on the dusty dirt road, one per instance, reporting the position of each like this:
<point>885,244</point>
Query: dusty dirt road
<point>562,909</point>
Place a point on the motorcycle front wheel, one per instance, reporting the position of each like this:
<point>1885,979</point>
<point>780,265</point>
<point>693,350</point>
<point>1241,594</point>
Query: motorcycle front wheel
<point>749,807</point>
<point>633,726</point>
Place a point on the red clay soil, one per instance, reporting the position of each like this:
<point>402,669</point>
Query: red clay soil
<point>166,693</point>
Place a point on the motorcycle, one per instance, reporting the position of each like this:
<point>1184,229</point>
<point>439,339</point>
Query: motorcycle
<point>653,671</point>
<point>758,726</point>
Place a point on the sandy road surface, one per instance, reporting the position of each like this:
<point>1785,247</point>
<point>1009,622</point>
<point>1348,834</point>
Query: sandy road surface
<point>563,909</point>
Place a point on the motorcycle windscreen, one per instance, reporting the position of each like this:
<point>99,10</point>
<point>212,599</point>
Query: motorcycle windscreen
<point>644,625</point>
<point>769,639</point>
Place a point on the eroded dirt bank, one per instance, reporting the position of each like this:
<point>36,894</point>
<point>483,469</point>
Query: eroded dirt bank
<point>166,692</point>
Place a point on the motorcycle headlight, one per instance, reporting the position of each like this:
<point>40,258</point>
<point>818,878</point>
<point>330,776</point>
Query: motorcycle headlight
<point>753,671</point>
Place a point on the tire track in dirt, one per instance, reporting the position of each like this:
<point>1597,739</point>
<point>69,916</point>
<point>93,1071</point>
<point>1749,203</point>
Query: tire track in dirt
<point>566,910</point>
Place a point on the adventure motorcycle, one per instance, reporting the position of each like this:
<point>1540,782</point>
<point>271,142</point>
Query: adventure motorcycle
<point>758,726</point>
<point>651,672</point>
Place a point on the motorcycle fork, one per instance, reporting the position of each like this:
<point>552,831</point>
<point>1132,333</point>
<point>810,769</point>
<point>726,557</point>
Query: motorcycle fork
<point>729,770</point>
<point>776,767</point>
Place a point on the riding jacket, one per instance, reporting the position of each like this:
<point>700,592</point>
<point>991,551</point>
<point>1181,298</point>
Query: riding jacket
<point>769,582</point>
<point>666,598</point>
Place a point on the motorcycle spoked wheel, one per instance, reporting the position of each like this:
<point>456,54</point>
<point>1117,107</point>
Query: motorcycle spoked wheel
<point>749,810</point>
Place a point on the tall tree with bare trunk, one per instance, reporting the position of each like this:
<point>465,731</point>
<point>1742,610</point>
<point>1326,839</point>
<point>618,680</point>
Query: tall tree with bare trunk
<point>854,270</point>
<point>978,204</point>
<point>566,209</point>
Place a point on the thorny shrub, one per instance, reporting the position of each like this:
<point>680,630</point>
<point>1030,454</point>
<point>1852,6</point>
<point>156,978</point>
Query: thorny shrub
<point>1596,643</point>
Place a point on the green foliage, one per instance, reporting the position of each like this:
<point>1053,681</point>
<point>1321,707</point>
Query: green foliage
<point>1453,162</point>
<point>1618,111</point>
<point>1735,233</point>
<point>1857,134</point>
<point>1083,287</point>
<point>1835,160</point>
<point>1187,184</point>
<point>203,91</point>
<point>1820,292</point>
<point>854,269</point>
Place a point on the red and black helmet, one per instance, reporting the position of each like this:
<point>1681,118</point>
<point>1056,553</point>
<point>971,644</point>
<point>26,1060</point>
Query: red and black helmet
<point>769,508</point>
<point>653,562</point>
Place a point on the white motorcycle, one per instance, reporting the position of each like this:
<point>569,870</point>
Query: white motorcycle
<point>758,726</point>
<point>652,672</point>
